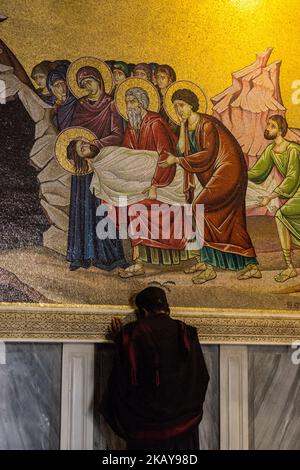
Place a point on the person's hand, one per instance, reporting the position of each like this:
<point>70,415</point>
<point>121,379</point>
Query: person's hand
<point>170,160</point>
<point>146,191</point>
<point>115,327</point>
<point>264,201</point>
<point>151,192</point>
<point>273,210</point>
<point>60,98</point>
<point>182,120</point>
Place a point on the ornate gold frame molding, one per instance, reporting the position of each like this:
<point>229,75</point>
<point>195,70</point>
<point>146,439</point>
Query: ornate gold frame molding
<point>89,323</point>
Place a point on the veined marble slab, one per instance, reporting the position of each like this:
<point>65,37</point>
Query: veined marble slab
<point>30,384</point>
<point>274,398</point>
<point>209,427</point>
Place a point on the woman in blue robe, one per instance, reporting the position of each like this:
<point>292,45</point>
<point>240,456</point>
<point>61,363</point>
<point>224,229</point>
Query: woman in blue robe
<point>96,112</point>
<point>65,101</point>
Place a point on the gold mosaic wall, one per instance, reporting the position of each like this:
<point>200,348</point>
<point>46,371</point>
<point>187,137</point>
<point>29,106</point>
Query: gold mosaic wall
<point>204,40</point>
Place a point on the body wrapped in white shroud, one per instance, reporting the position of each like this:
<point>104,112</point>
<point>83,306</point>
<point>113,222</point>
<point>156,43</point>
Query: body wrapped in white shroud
<point>120,172</point>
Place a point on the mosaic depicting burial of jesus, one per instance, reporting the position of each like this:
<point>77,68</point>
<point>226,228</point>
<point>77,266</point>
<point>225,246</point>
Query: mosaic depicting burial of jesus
<point>216,157</point>
<point>157,147</point>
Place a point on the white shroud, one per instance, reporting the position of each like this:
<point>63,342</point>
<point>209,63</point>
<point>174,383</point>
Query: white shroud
<point>117,171</point>
<point>121,173</point>
<point>255,192</point>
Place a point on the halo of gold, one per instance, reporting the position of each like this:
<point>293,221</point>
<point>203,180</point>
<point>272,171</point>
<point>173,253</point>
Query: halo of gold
<point>169,106</point>
<point>98,64</point>
<point>62,142</point>
<point>132,82</point>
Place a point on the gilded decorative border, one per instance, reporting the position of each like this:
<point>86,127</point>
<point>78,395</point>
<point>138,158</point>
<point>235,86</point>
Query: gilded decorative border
<point>82,323</point>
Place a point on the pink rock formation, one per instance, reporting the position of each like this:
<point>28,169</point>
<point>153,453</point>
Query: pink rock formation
<point>246,105</point>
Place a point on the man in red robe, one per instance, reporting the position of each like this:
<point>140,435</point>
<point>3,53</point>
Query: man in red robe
<point>148,130</point>
<point>208,150</point>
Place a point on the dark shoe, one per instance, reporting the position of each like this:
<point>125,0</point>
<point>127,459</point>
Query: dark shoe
<point>74,267</point>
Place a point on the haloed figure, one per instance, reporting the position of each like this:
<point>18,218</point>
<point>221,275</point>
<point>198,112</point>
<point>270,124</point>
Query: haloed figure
<point>79,152</point>
<point>92,86</point>
<point>84,248</point>
<point>96,112</point>
<point>285,156</point>
<point>147,130</point>
<point>208,150</point>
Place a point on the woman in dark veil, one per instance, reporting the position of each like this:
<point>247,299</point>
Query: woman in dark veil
<point>65,101</point>
<point>96,112</point>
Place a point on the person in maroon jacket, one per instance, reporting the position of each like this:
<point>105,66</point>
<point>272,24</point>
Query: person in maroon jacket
<point>155,394</point>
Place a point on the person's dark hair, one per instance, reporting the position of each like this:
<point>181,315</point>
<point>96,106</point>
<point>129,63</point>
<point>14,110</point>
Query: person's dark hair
<point>43,67</point>
<point>153,66</point>
<point>131,68</point>
<point>188,97</point>
<point>167,69</point>
<point>61,65</point>
<point>120,65</point>
<point>281,123</point>
<point>146,68</point>
<point>110,63</point>
<point>81,164</point>
<point>152,299</point>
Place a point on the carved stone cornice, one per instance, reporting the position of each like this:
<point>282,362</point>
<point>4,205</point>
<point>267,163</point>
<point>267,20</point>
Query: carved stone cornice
<point>89,323</point>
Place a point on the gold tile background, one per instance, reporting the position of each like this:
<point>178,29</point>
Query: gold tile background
<point>204,40</point>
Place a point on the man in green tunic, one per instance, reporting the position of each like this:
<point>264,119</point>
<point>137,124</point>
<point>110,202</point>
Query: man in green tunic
<point>285,156</point>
